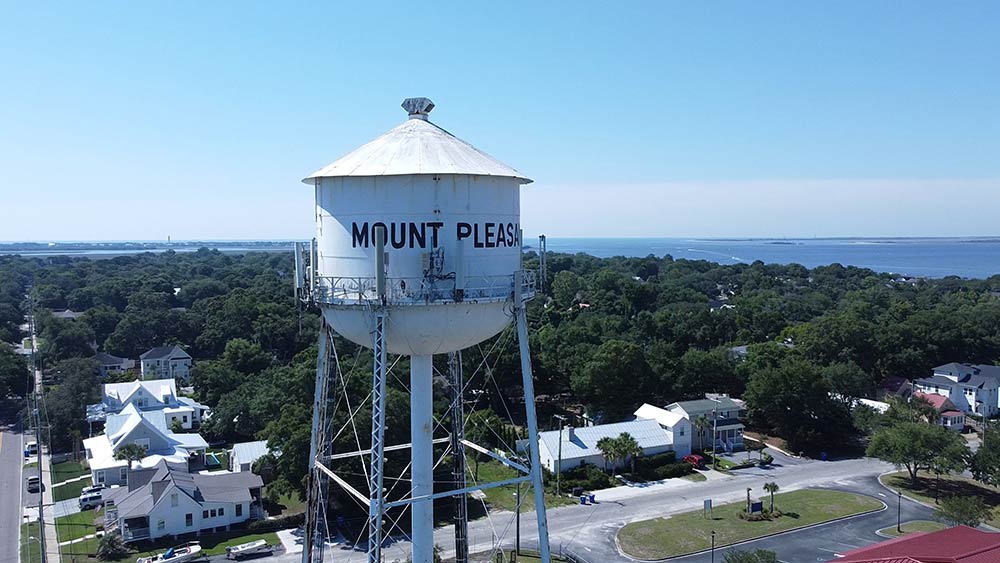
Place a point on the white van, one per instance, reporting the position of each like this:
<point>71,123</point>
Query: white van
<point>30,449</point>
<point>90,500</point>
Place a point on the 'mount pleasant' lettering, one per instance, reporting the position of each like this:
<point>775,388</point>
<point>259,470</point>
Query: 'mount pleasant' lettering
<point>407,234</point>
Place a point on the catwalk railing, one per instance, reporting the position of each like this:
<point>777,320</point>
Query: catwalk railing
<point>353,290</point>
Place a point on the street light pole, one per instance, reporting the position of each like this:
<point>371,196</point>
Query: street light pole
<point>713,546</point>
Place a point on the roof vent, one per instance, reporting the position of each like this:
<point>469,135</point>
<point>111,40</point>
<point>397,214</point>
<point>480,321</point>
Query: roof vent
<point>418,108</point>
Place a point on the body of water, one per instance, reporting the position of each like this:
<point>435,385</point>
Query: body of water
<point>927,257</point>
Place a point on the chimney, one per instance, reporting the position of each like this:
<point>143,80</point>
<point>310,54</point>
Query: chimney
<point>570,434</point>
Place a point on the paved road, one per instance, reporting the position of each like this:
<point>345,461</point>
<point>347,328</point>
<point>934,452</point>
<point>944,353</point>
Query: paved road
<point>11,482</point>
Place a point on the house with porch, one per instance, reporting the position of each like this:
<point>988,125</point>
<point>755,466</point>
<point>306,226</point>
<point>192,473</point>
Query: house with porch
<point>150,395</point>
<point>165,362</point>
<point>971,388</point>
<point>720,415</point>
<point>145,428</point>
<point>677,427</point>
<point>166,500</point>
<point>112,365</point>
<point>948,415</point>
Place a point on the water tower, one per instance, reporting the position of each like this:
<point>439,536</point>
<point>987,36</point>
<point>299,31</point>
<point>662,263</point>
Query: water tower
<point>417,252</point>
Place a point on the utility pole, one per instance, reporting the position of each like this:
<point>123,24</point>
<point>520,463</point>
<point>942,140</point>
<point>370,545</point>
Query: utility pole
<point>561,419</point>
<point>41,503</point>
<point>899,512</point>
<point>715,434</point>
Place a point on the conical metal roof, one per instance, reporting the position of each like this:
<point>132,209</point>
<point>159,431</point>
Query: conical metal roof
<point>417,146</point>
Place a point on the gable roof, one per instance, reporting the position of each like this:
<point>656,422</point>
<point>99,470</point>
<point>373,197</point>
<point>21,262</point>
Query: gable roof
<point>663,417</point>
<point>147,486</point>
<point>247,452</point>
<point>165,352</point>
<point>960,544</point>
<point>158,388</point>
<point>106,359</point>
<point>939,402</point>
<point>584,443</point>
<point>706,405</point>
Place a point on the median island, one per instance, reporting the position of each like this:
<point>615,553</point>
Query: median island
<point>690,532</point>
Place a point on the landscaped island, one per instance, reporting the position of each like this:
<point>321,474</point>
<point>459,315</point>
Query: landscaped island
<point>691,532</point>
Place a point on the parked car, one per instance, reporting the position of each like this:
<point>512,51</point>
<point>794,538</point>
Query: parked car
<point>34,483</point>
<point>93,489</point>
<point>695,460</point>
<point>30,449</point>
<point>90,500</point>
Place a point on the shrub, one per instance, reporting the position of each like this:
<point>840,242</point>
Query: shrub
<point>646,467</point>
<point>111,547</point>
<point>282,523</point>
<point>673,470</point>
<point>588,477</point>
<point>767,459</point>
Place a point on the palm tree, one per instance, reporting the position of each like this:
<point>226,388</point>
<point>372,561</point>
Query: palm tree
<point>629,447</point>
<point>701,424</point>
<point>772,488</point>
<point>130,452</point>
<point>609,449</point>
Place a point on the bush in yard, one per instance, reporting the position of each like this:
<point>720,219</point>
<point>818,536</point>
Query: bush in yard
<point>588,477</point>
<point>756,556</point>
<point>673,470</point>
<point>646,467</point>
<point>968,511</point>
<point>111,547</point>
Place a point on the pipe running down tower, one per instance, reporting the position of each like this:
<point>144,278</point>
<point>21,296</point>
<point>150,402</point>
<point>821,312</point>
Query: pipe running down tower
<point>417,252</point>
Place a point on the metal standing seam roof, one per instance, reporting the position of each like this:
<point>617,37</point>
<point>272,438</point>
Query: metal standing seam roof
<point>706,405</point>
<point>245,452</point>
<point>663,417</point>
<point>416,146</point>
<point>584,443</point>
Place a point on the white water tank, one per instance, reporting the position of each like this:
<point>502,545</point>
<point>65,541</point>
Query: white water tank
<point>453,242</point>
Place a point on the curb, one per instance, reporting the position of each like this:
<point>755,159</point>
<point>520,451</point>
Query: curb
<point>741,542</point>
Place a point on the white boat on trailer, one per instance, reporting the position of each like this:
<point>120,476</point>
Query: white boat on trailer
<point>179,554</point>
<point>250,548</point>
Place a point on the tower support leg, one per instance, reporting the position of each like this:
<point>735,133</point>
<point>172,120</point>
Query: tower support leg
<point>529,407</point>
<point>422,470</point>
<point>312,547</point>
<point>376,497</point>
<point>461,518</point>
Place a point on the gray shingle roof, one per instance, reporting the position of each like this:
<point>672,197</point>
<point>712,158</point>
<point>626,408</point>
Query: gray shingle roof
<point>108,360</point>
<point>161,352</point>
<point>147,486</point>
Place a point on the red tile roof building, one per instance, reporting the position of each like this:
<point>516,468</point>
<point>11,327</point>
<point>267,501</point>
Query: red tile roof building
<point>960,544</point>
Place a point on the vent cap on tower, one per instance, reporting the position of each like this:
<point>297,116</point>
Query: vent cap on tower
<point>416,146</point>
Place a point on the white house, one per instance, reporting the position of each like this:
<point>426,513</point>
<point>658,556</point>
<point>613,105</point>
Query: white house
<point>721,413</point>
<point>245,454</point>
<point>676,426</point>
<point>165,362</point>
<point>579,445</point>
<point>151,395</point>
<point>146,428</point>
<point>166,500</point>
<point>972,388</point>
<point>111,365</point>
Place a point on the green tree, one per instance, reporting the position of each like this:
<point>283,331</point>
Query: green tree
<point>916,446</point>
<point>565,287</point>
<point>963,510</point>
<point>755,556</point>
<point>628,447</point>
<point>985,464</point>
<point>112,548</point>
<point>609,448</point>
<point>614,378</point>
<point>245,357</point>
<point>703,424</point>
<point>14,372</point>
<point>771,488</point>
<point>130,453</point>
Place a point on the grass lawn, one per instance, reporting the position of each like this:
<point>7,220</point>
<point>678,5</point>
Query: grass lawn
<point>950,485</point>
<point>914,526</point>
<point>214,544</point>
<point>691,531</point>
<point>75,525</point>
<point>696,477</point>
<point>69,490</point>
<point>286,506</point>
<point>67,470</point>
<point>31,465</point>
<point>504,498</point>
<point>30,547</point>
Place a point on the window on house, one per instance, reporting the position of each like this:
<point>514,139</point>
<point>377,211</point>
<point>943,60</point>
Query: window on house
<point>160,525</point>
<point>185,419</point>
<point>204,514</point>
<point>681,431</point>
<point>212,513</point>
<point>222,511</point>
<point>124,474</point>
<point>100,477</point>
<point>173,499</point>
<point>189,519</point>
<point>239,509</point>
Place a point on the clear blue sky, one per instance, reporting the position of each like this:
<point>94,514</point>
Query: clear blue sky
<point>138,120</point>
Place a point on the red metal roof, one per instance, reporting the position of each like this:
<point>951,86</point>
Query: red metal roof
<point>939,402</point>
<point>960,544</point>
